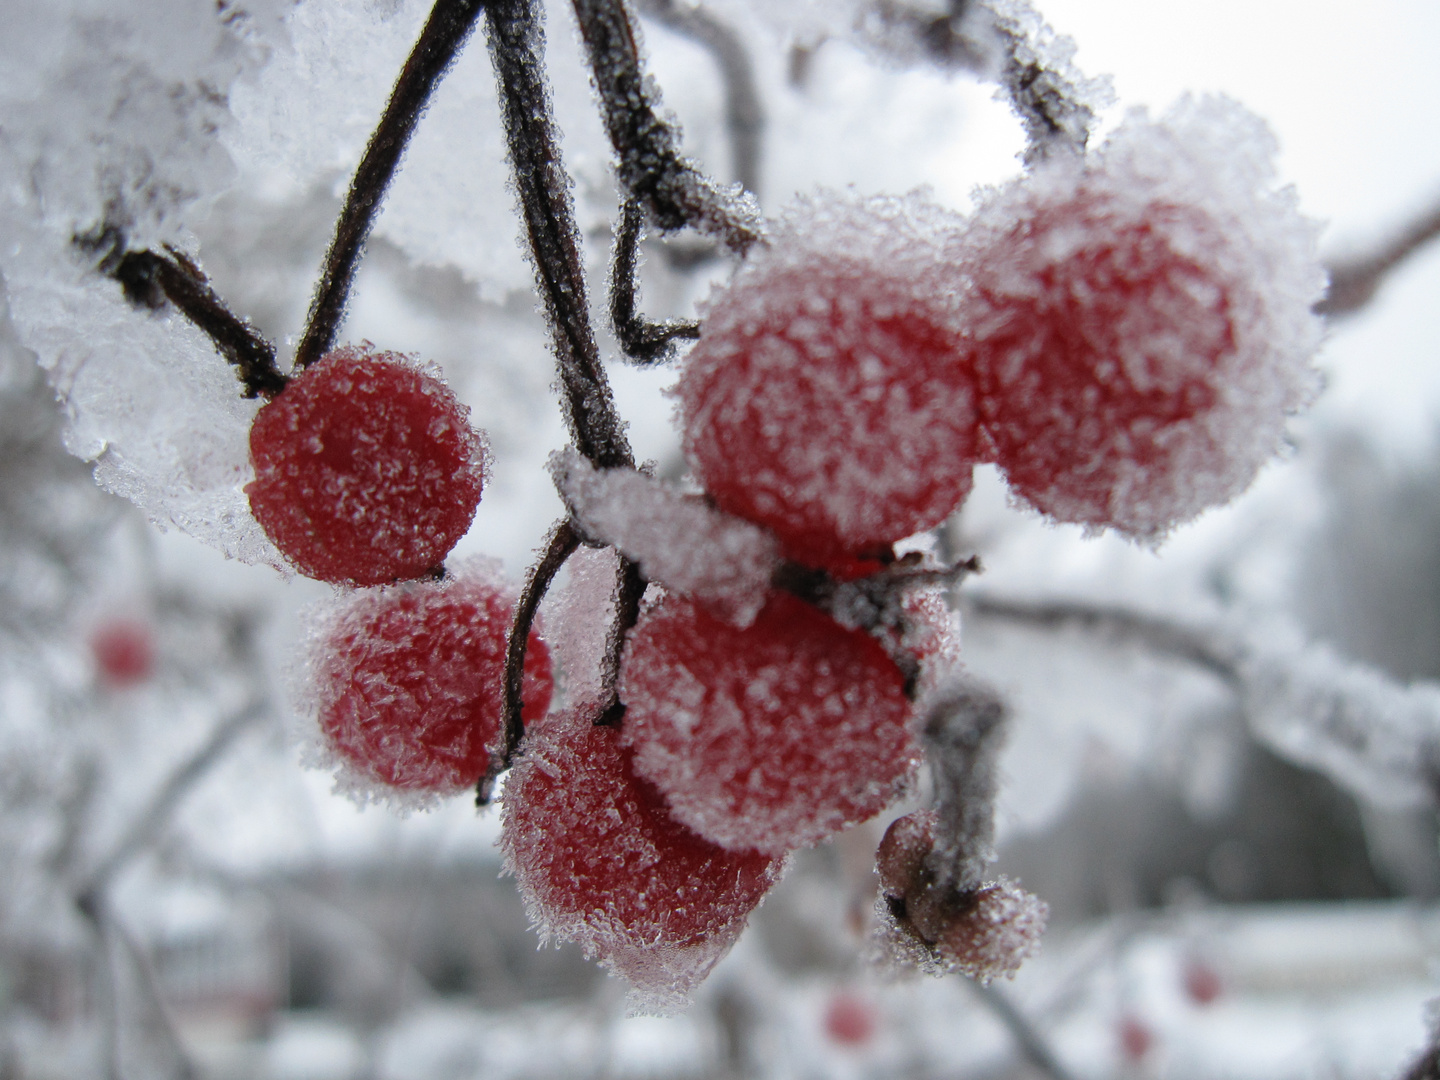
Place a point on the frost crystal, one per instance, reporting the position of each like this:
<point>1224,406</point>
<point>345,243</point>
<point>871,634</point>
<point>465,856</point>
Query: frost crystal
<point>679,540</point>
<point>599,860</point>
<point>1140,320</point>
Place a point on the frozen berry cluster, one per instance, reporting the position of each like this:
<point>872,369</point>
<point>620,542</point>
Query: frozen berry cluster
<point>1122,333</point>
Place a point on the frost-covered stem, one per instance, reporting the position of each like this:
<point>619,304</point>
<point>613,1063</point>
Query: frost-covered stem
<point>1214,652</point>
<point>450,23</point>
<point>627,611</point>
<point>652,170</point>
<point>1032,1044</point>
<point>1354,281</point>
<point>150,279</point>
<point>1050,100</point>
<point>152,819</point>
<point>963,735</point>
<point>517,50</point>
<point>744,111</point>
<point>564,539</point>
<point>940,37</point>
<point>643,342</point>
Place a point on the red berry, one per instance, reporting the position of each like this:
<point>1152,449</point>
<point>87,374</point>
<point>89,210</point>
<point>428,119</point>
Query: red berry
<point>1136,1038</point>
<point>1202,982</point>
<point>850,1020</point>
<point>769,737</point>
<point>823,398</point>
<point>1139,322</point>
<point>124,651</point>
<point>366,468</point>
<point>600,860</point>
<point>409,683</point>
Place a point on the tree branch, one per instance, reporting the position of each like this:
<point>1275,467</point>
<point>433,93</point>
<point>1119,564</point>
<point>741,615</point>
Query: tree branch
<point>1027,1037</point>
<point>673,191</point>
<point>643,342</point>
<point>450,23</point>
<point>150,279</point>
<point>1355,281</point>
<point>744,111</point>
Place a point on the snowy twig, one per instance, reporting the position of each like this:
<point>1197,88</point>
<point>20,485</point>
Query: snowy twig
<point>963,736</point>
<point>538,170</point>
<point>564,539</point>
<point>1027,1037</point>
<point>643,342</point>
<point>150,279</point>
<point>1354,281</point>
<point>744,111</point>
<point>150,821</point>
<point>652,170</point>
<point>450,23</point>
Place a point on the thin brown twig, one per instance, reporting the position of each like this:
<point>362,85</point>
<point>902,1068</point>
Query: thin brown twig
<point>449,24</point>
<point>643,341</point>
<point>1355,281</point>
<point>564,539</point>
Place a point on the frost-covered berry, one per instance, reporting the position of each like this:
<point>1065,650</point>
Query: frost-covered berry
<point>983,930</point>
<point>600,860</point>
<point>823,399</point>
<point>367,470</point>
<point>770,737</point>
<point>408,684</point>
<point>124,651</point>
<point>1139,321</point>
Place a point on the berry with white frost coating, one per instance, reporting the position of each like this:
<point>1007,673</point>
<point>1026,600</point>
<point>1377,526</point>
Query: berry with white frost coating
<point>1138,321</point>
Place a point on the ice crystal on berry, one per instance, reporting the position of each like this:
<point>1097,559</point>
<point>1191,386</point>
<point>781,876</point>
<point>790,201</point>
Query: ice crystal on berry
<point>823,399</point>
<point>769,737</point>
<point>367,470</point>
<point>1139,321</point>
<point>600,860</point>
<point>407,685</point>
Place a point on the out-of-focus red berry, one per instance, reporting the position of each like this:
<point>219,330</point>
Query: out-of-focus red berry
<point>124,651</point>
<point>367,470</point>
<point>1201,981</point>
<point>1136,1038</point>
<point>600,860</point>
<point>770,737</point>
<point>823,399</point>
<point>850,1020</point>
<point>409,683</point>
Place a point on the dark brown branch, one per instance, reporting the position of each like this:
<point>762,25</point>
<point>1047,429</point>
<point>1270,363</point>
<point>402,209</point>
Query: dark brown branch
<point>643,342</point>
<point>1355,281</point>
<point>516,50</point>
<point>630,590</point>
<point>149,279</point>
<point>450,23</point>
<point>563,542</point>
<point>744,111</point>
<point>652,170</point>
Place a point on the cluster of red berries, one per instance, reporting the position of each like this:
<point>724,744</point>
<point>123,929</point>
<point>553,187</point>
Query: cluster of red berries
<point>1122,334</point>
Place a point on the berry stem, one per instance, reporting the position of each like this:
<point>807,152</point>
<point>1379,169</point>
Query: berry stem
<point>644,342</point>
<point>516,50</point>
<point>450,23</point>
<point>149,279</point>
<point>651,167</point>
<point>564,540</point>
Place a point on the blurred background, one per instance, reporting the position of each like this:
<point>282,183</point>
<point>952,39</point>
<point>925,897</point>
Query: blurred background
<point>180,898</point>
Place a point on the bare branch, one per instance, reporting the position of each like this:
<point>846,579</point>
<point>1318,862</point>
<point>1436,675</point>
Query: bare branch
<point>450,23</point>
<point>1355,281</point>
<point>652,170</point>
<point>744,111</point>
<point>643,342</point>
<point>150,279</point>
<point>1027,1037</point>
